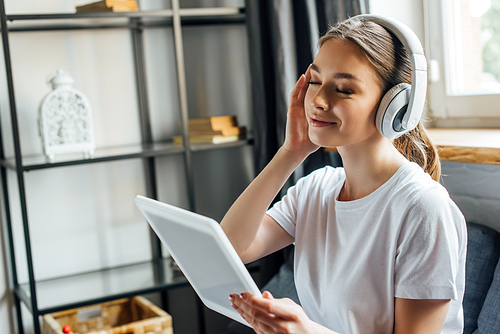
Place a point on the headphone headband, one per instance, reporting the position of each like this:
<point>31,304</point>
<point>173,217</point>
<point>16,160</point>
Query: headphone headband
<point>418,66</point>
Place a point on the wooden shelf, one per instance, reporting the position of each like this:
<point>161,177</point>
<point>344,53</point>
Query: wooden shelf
<point>479,146</point>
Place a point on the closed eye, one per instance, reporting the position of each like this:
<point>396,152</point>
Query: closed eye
<point>345,92</point>
<point>340,91</point>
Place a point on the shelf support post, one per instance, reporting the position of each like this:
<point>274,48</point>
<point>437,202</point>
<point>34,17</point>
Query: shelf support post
<point>10,237</point>
<point>146,132</point>
<point>19,168</point>
<point>181,80</point>
<point>147,138</point>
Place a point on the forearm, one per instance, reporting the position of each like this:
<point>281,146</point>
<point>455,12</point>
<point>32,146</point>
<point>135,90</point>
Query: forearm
<point>241,223</point>
<point>243,220</point>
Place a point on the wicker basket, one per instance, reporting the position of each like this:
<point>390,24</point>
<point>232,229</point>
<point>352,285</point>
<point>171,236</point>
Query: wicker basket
<point>133,315</point>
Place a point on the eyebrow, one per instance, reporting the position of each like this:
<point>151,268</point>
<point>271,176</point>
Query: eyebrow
<point>339,75</point>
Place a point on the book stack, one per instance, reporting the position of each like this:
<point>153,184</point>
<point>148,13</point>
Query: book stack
<point>215,130</point>
<point>109,6</point>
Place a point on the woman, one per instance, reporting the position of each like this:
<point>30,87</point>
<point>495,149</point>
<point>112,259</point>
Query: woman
<point>379,245</point>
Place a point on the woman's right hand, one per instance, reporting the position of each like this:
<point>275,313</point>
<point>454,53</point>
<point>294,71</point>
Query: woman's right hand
<point>297,140</point>
<point>252,233</point>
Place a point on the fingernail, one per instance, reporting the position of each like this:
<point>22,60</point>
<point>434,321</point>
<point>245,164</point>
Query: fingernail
<point>244,296</point>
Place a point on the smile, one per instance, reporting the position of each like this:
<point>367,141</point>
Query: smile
<point>318,122</point>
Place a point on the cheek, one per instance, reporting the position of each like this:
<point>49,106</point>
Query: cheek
<point>370,113</point>
<point>373,114</point>
<point>309,97</point>
<point>359,118</point>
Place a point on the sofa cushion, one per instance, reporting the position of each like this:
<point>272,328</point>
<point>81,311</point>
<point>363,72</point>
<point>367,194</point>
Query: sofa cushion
<point>489,318</point>
<point>483,251</point>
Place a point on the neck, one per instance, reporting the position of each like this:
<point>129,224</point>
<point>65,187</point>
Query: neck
<point>368,165</point>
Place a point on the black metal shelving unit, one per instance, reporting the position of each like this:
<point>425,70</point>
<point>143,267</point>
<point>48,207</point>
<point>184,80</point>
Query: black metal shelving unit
<point>42,297</point>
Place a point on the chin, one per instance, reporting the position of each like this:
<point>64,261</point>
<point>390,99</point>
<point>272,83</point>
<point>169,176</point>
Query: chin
<point>322,142</point>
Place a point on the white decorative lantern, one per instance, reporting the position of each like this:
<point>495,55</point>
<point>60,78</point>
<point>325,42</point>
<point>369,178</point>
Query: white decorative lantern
<point>65,120</point>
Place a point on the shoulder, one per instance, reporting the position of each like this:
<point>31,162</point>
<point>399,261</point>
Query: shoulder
<point>429,196</point>
<point>418,190</point>
<point>428,204</point>
<point>326,173</point>
<point>327,176</point>
<point>309,191</point>
<point>432,200</point>
<point>318,183</point>
<point>421,200</point>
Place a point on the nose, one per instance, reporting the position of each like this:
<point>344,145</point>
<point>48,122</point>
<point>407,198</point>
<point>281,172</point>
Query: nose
<point>321,99</point>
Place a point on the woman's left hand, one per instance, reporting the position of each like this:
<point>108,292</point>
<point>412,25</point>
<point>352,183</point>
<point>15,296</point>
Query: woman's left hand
<point>268,315</point>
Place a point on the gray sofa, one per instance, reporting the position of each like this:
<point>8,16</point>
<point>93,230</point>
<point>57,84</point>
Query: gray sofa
<point>482,281</point>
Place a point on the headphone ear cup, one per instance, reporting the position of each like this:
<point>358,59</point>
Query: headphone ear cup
<point>391,110</point>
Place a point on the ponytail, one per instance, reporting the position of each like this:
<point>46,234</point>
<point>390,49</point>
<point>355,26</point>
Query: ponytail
<point>417,147</point>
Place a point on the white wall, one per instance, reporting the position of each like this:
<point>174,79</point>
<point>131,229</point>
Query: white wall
<point>410,12</point>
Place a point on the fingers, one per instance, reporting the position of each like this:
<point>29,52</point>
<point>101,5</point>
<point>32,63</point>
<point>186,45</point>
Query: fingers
<point>259,320</point>
<point>299,91</point>
<point>283,308</point>
<point>307,77</point>
<point>267,294</point>
<point>269,315</point>
<point>307,74</point>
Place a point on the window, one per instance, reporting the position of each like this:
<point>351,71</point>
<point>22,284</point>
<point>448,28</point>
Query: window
<point>463,51</point>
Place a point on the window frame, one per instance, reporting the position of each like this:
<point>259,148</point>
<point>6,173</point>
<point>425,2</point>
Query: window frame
<point>443,104</point>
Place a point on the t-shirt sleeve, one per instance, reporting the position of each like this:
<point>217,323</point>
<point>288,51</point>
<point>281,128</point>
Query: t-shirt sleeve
<point>430,245</point>
<point>284,212</point>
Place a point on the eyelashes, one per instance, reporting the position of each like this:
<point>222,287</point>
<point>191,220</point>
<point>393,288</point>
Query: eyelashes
<point>345,92</point>
<point>340,91</point>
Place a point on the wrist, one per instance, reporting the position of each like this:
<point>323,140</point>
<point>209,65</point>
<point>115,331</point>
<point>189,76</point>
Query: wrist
<point>294,157</point>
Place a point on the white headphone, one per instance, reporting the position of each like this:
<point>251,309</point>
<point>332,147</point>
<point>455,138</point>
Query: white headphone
<point>401,107</point>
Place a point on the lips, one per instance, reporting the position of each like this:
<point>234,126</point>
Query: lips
<point>319,122</point>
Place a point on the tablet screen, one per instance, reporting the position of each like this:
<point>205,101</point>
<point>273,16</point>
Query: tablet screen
<point>203,253</point>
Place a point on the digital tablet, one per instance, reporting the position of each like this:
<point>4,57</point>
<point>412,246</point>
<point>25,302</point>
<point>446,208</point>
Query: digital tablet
<point>203,252</point>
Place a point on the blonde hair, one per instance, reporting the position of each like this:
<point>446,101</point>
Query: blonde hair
<point>391,62</point>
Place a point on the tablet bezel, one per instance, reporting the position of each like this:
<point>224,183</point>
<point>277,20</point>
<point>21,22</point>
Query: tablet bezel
<point>193,221</point>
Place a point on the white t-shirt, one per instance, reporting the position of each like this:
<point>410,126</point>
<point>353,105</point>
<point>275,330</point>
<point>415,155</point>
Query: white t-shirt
<point>407,239</point>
